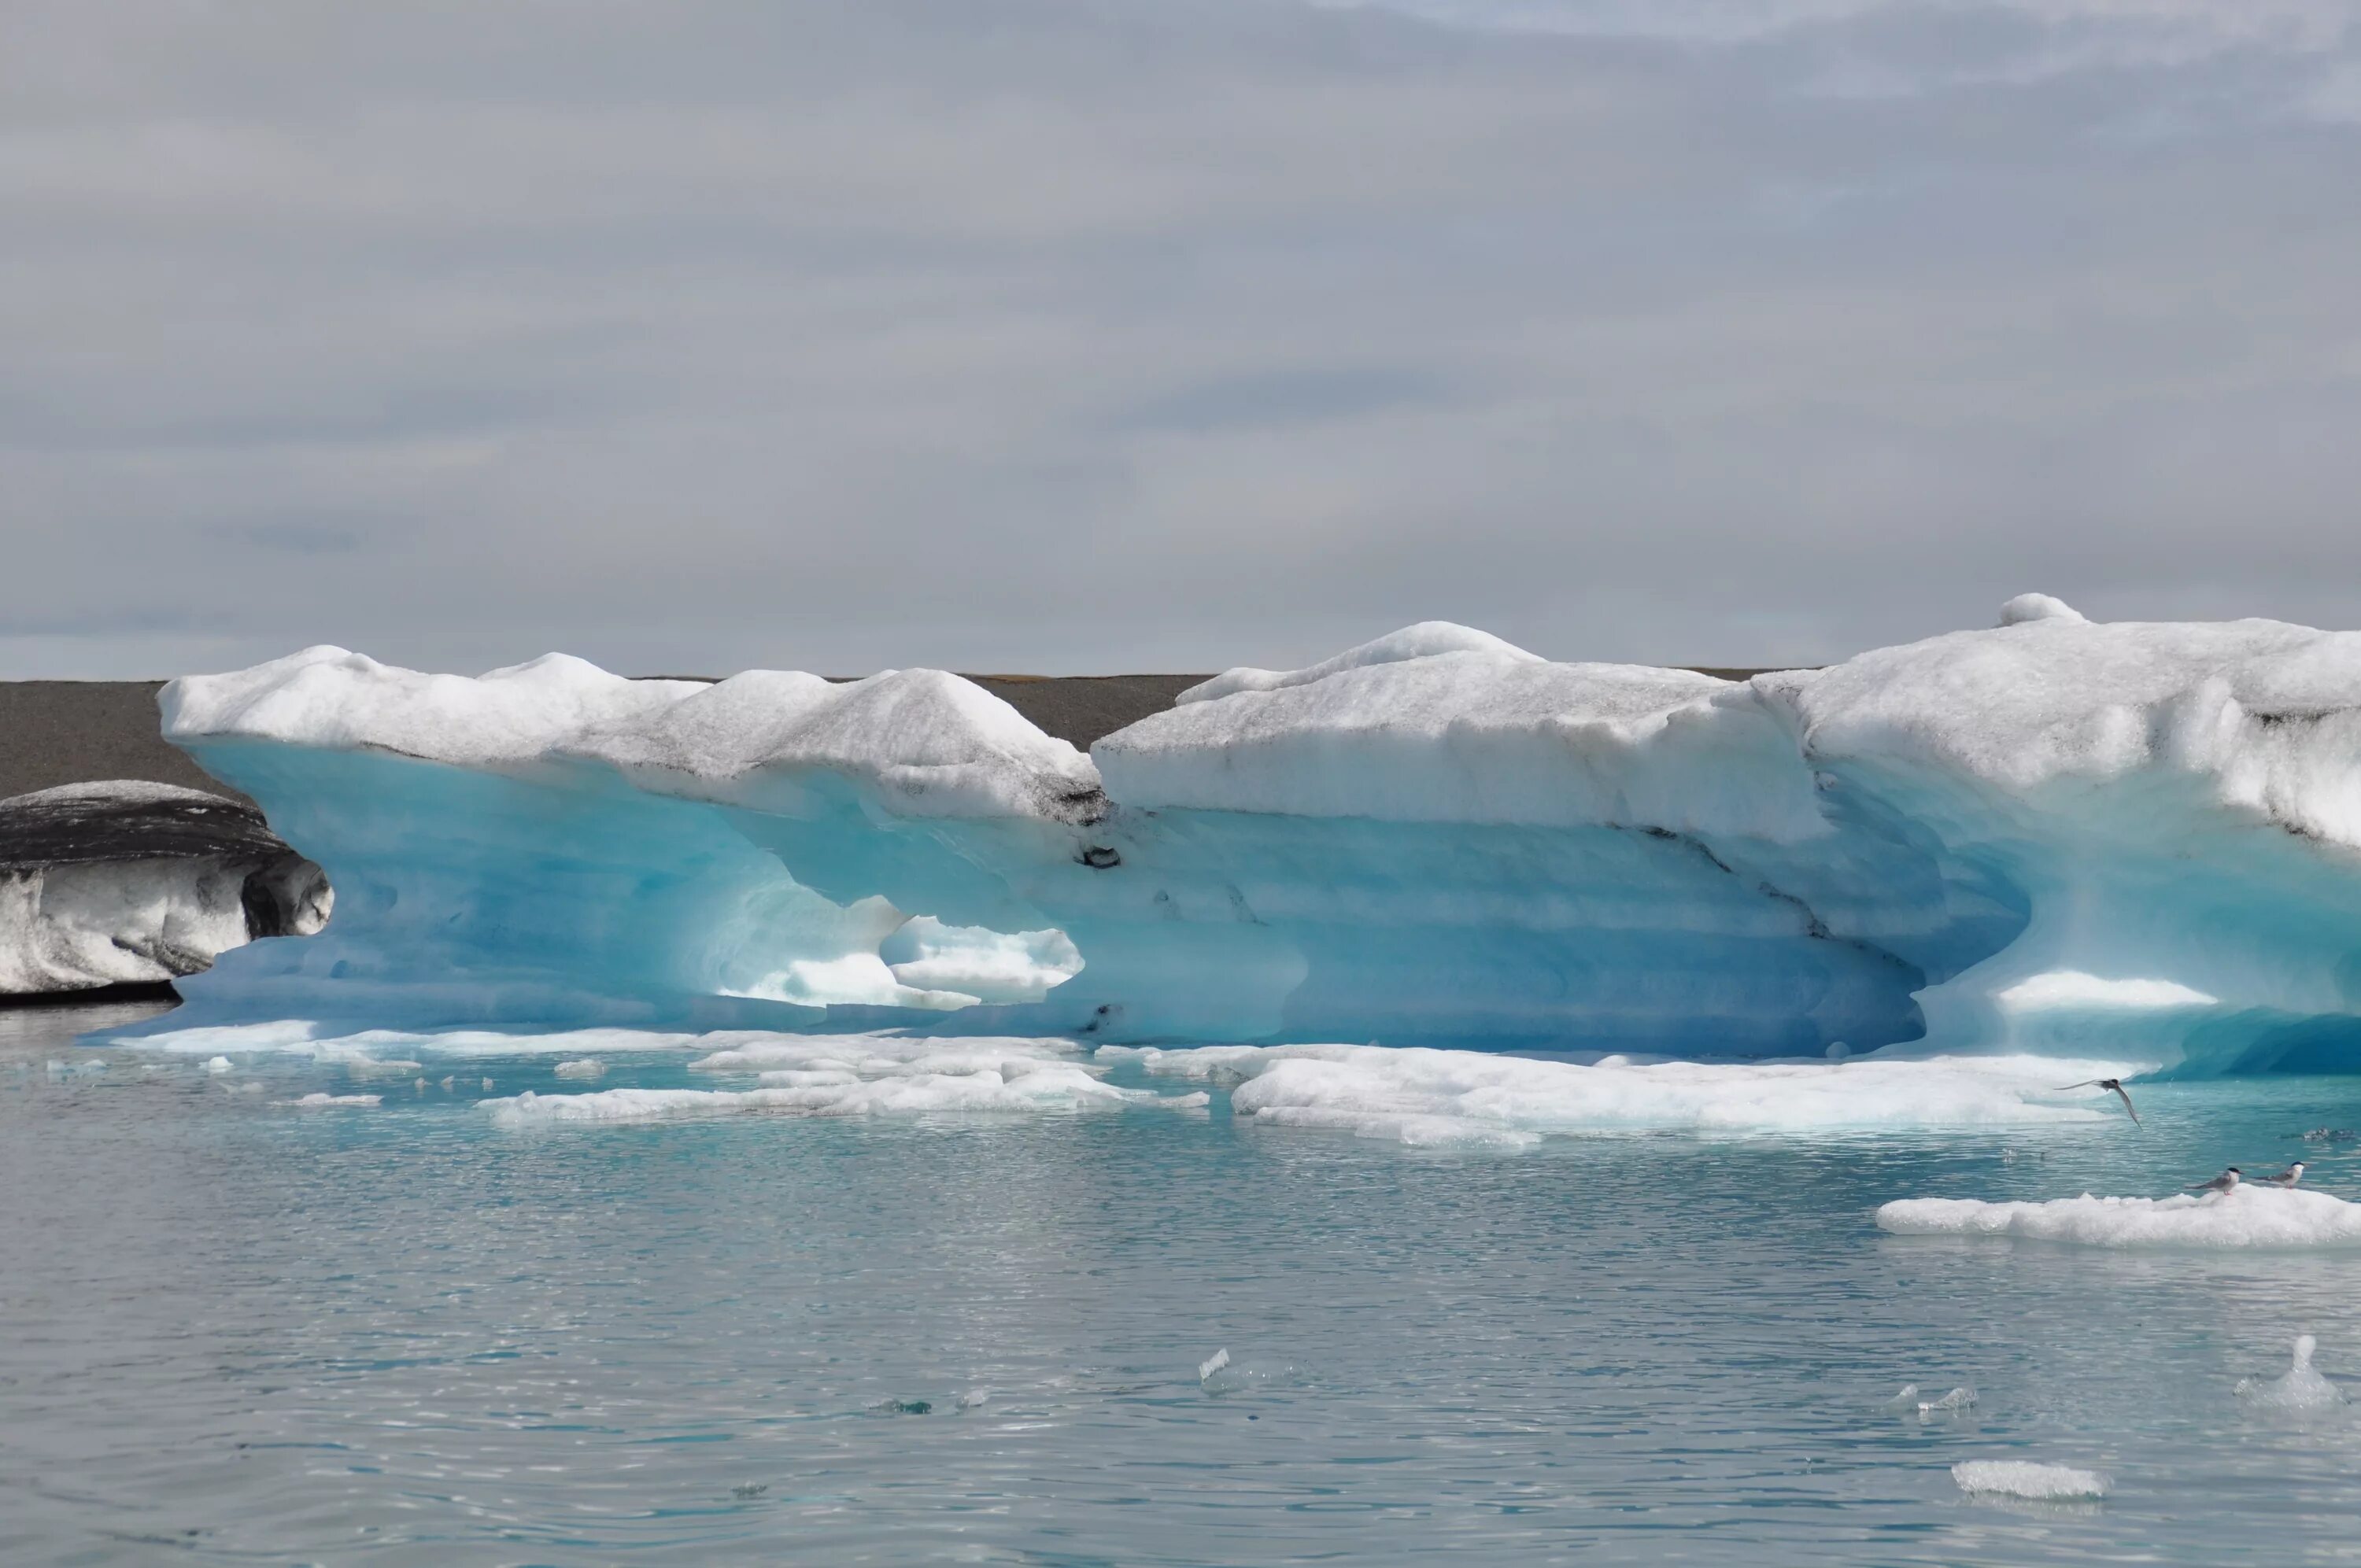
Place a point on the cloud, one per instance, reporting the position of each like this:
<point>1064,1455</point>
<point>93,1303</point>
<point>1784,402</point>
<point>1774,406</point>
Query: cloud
<point>1093,334</point>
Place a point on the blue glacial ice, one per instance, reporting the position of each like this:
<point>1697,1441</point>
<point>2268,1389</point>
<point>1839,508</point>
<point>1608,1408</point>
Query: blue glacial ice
<point>2135,842</point>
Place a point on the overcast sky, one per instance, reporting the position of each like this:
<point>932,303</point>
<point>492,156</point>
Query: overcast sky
<point>1074,336</point>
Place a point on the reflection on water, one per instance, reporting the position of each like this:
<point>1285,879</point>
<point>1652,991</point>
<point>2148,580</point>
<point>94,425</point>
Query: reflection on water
<point>255,1331</point>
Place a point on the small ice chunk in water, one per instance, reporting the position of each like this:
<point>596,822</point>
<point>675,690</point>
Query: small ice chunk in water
<point>2300,1390</point>
<point>974,1398</point>
<point>1213,1364</point>
<point>487,1084</point>
<point>2023,1479</point>
<point>586,1067</point>
<point>448,1083</point>
<point>1957,1399</point>
<point>219,1064</point>
<point>1908,1395</point>
<point>319,1100</point>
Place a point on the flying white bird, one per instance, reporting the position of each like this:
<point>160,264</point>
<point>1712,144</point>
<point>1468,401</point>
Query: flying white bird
<point>2112,1084</point>
<point>2287,1177</point>
<point>2224,1182</point>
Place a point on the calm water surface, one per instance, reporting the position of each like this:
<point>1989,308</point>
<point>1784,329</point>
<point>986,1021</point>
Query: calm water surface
<point>234,1332</point>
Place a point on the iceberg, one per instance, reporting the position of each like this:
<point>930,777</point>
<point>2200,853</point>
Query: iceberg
<point>2136,842</point>
<point>125,882</point>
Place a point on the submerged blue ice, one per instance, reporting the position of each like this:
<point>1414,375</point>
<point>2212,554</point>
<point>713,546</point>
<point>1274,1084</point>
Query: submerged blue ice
<point>2141,842</point>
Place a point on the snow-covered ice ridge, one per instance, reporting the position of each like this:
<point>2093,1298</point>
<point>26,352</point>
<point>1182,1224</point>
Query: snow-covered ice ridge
<point>2134,841</point>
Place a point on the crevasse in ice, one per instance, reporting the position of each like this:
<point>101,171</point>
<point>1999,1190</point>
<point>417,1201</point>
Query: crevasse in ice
<point>2121,842</point>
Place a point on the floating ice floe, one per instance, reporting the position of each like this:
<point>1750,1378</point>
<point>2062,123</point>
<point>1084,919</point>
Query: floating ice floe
<point>321,1101</point>
<point>2023,1479</point>
<point>861,1075</point>
<point>584,1067</point>
<point>1213,1364</point>
<point>2301,1389</point>
<point>1957,1399</point>
<point>1435,838</point>
<point>1422,1096</point>
<point>2246,1217</point>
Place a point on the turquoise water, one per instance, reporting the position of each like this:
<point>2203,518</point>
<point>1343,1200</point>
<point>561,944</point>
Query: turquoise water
<point>399,1334</point>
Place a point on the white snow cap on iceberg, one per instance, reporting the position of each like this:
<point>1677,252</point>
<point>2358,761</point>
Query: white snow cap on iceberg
<point>934,744</point>
<point>2244,1217</point>
<point>2039,606</point>
<point>1424,641</point>
<point>333,699</point>
<point>2266,714</point>
<point>1441,723</point>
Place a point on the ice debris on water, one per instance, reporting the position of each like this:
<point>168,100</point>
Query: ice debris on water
<point>2023,1479</point>
<point>860,1075</point>
<point>322,1099</point>
<point>585,1067</point>
<point>1213,1364</point>
<point>1957,1399</point>
<point>974,1398</point>
<point>75,1069</point>
<point>2300,1390</point>
<point>1908,1396</point>
<point>1422,1096</point>
<point>2250,1215</point>
<point>220,1064</point>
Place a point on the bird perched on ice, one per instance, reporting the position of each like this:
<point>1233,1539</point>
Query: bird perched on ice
<point>2115,1086</point>
<point>2287,1177</point>
<point>2226,1182</point>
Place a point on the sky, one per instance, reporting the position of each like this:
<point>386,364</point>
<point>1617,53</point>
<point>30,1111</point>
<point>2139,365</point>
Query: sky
<point>1096,335</point>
